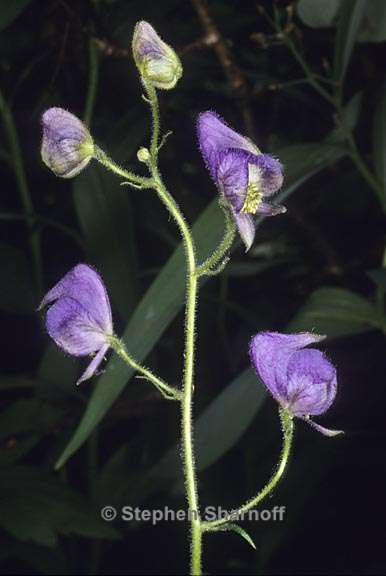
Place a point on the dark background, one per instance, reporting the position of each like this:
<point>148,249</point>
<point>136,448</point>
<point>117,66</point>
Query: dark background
<point>261,66</point>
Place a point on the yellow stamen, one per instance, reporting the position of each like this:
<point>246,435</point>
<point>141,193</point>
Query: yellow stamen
<point>252,199</point>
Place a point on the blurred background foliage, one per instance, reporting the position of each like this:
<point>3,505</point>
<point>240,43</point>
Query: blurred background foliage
<point>306,80</point>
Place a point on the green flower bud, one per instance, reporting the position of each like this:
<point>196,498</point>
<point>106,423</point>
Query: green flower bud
<point>143,155</point>
<point>156,61</point>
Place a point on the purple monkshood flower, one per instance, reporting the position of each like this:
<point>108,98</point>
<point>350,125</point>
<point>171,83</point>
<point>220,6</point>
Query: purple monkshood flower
<point>244,176</point>
<point>302,380</point>
<point>156,61</point>
<point>67,145</point>
<point>79,316</point>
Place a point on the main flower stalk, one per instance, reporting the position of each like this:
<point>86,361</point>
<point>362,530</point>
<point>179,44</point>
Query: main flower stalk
<point>187,389</point>
<point>192,273</point>
<point>190,333</point>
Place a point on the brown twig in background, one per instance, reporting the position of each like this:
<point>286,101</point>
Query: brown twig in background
<point>235,76</point>
<point>204,42</point>
<point>108,49</point>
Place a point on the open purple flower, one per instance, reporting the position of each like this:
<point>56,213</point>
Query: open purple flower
<point>79,316</point>
<point>302,380</point>
<point>244,176</point>
<point>67,145</point>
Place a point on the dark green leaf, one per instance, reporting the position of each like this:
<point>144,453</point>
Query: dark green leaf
<point>220,425</point>
<point>318,14</point>
<point>26,493</point>
<point>336,312</point>
<point>373,28</point>
<point>28,416</point>
<point>350,115</point>
<point>350,17</point>
<point>323,14</point>
<point>378,277</point>
<point>57,374</point>
<point>379,138</point>
<point>14,450</point>
<point>10,10</point>
<point>104,213</point>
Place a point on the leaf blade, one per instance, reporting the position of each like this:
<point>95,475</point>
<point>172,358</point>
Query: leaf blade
<point>350,17</point>
<point>379,138</point>
<point>105,217</point>
<point>335,312</point>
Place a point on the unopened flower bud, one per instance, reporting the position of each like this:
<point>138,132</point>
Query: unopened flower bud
<point>67,145</point>
<point>156,61</point>
<point>143,155</point>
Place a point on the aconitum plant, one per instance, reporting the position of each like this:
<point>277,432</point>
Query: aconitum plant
<point>78,314</point>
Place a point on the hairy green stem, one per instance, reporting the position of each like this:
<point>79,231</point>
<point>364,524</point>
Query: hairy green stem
<point>213,264</point>
<point>151,94</point>
<point>134,179</point>
<point>168,391</point>
<point>190,320</point>
<point>287,427</point>
<point>187,389</point>
<point>186,396</point>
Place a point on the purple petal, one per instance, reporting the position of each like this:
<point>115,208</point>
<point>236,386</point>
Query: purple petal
<point>94,364</point>
<point>146,41</point>
<point>266,209</point>
<point>269,174</point>
<point>215,136</point>
<point>270,352</point>
<point>246,227</point>
<point>72,328</point>
<point>326,431</point>
<point>232,176</point>
<point>311,383</point>
<point>84,285</point>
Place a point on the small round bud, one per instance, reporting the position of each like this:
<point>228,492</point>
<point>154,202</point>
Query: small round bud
<point>143,155</point>
<point>156,61</point>
<point>67,145</point>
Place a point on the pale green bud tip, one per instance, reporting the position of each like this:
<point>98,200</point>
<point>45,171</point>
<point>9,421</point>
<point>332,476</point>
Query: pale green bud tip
<point>143,155</point>
<point>156,61</point>
<point>67,145</point>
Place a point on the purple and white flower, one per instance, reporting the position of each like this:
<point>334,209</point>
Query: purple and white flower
<point>244,176</point>
<point>79,316</point>
<point>302,380</point>
<point>67,145</point>
<point>156,61</point>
